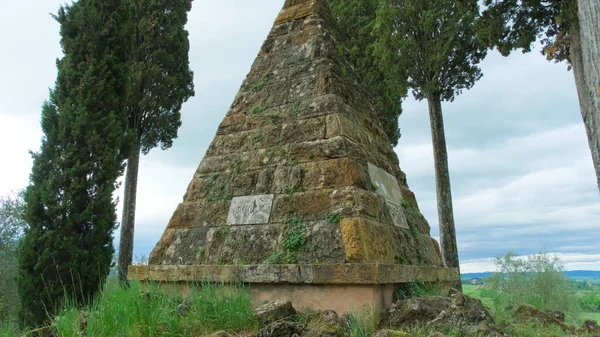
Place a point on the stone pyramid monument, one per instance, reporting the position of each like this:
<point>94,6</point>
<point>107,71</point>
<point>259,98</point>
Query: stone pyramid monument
<point>300,195</point>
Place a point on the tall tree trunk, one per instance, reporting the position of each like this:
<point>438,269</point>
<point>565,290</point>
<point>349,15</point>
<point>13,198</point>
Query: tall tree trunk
<point>128,218</point>
<point>585,58</point>
<point>442,183</point>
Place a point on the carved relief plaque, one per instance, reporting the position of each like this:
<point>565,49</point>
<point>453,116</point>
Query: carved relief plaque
<point>250,210</point>
<point>397,214</point>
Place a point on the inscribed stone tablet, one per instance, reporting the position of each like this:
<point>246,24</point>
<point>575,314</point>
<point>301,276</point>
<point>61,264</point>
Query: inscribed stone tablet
<point>387,185</point>
<point>397,214</point>
<point>250,210</point>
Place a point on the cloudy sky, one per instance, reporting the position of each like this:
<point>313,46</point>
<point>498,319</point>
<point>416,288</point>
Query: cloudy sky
<point>520,166</point>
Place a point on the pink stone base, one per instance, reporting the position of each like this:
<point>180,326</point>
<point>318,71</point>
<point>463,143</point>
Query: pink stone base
<point>340,298</point>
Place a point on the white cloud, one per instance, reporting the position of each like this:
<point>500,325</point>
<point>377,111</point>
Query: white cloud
<point>570,261</point>
<point>18,135</point>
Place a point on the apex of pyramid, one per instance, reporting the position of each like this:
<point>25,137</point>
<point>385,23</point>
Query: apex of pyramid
<point>298,9</point>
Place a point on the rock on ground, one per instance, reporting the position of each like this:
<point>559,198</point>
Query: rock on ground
<point>272,311</point>
<point>459,312</point>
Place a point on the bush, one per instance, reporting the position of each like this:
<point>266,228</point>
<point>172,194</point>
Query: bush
<point>537,280</point>
<point>590,302</point>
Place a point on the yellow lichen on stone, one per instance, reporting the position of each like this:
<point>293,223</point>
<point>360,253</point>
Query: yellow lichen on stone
<point>296,12</point>
<point>367,241</point>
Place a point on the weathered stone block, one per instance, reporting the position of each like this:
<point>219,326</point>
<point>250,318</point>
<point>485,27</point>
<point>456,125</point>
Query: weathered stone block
<point>179,246</point>
<point>368,241</point>
<point>310,205</point>
<point>304,130</point>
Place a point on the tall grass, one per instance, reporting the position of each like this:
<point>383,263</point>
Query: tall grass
<point>151,311</point>
<point>362,323</point>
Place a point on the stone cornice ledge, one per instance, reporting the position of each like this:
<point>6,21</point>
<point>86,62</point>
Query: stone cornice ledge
<point>294,273</point>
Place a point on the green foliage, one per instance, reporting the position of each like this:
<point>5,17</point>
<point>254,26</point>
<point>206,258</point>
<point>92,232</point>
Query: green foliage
<point>200,253</point>
<point>258,138</point>
<point>294,241</point>
<point>356,20</point>
<point>418,289</point>
<point>405,204</point>
<point>257,109</point>
<point>297,108</point>
<point>295,235</point>
<point>362,324</point>
<point>11,230</point>
<point>537,280</point>
<point>516,24</point>
<point>590,302</point>
<point>218,189</point>
<point>258,85</point>
<point>135,311</point>
<point>222,232</point>
<point>333,218</point>
<point>375,187</point>
<point>414,232</point>
<point>429,44</point>
<point>67,248</point>
<point>289,190</point>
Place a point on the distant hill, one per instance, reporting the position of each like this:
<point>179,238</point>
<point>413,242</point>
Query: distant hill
<point>570,274</point>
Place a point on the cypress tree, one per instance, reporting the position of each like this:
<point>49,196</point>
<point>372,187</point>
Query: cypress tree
<point>356,20</point>
<point>432,47</point>
<point>67,248</point>
<point>161,82</point>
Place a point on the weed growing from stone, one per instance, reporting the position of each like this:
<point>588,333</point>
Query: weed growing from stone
<point>403,260</point>
<point>295,235</point>
<point>296,108</point>
<point>375,187</point>
<point>289,190</point>
<point>294,241</point>
<point>222,232</point>
<point>217,188</point>
<point>344,71</point>
<point>333,218</point>
<point>257,109</point>
<point>405,204</point>
<point>258,138</point>
<point>257,86</point>
<point>415,233</point>
<point>200,253</point>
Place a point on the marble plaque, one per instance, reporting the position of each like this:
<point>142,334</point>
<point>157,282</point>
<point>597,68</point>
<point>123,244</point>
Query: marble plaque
<point>387,185</point>
<point>250,210</point>
<point>397,214</point>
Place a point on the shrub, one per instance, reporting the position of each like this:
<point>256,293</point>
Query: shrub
<point>537,280</point>
<point>590,302</point>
